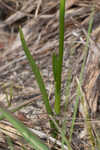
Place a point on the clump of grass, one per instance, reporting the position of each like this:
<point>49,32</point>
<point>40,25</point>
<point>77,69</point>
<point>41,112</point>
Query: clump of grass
<point>57,62</point>
<point>57,70</point>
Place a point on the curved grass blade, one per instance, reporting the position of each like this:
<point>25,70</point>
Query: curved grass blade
<point>25,132</point>
<point>36,72</point>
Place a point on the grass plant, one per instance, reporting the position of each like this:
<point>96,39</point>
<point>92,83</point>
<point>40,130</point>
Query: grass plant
<point>57,62</point>
<point>57,70</point>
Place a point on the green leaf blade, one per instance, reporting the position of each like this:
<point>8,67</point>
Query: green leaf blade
<point>59,59</point>
<point>25,132</point>
<point>36,72</point>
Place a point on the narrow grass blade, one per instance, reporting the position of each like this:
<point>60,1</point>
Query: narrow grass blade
<point>26,133</point>
<point>81,73</point>
<point>85,109</point>
<point>87,44</point>
<point>36,71</point>
<point>54,65</point>
<point>74,115</point>
<point>60,58</point>
<point>62,134</point>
